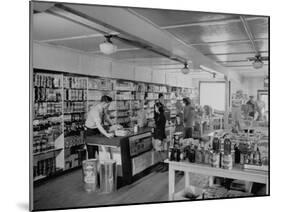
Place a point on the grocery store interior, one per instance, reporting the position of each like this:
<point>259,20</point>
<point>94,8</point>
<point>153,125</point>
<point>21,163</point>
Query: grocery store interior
<point>137,105</point>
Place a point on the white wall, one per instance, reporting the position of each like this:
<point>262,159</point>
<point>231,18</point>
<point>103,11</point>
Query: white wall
<point>195,81</point>
<point>253,84</point>
<point>63,59</point>
<point>143,74</point>
<point>159,76</point>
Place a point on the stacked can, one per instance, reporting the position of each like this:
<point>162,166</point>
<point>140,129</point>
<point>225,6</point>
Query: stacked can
<point>227,158</point>
<point>215,159</point>
<point>199,156</point>
<point>207,156</point>
<point>227,162</point>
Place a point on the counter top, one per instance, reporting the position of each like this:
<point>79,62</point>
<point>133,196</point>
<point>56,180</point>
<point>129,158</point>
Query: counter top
<point>115,141</point>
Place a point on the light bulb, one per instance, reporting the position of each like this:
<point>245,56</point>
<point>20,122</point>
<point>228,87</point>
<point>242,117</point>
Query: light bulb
<point>107,48</point>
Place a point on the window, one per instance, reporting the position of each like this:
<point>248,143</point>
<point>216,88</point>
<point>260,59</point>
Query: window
<point>212,94</point>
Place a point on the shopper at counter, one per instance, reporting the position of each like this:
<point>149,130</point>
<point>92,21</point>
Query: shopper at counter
<point>188,116</point>
<point>252,106</point>
<point>260,109</point>
<point>160,119</point>
<point>236,110</point>
<point>94,123</point>
<point>159,131</point>
<point>179,109</point>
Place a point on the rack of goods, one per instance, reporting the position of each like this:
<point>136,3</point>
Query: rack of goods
<point>240,156</point>
<point>74,117</point>
<point>74,104</point>
<point>60,105</point>
<point>122,109</point>
<point>47,125</point>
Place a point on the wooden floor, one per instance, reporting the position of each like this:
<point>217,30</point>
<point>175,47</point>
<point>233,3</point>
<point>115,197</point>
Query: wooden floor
<point>67,191</point>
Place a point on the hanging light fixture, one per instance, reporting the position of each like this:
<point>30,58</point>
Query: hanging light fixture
<point>107,47</point>
<point>185,69</point>
<point>257,63</point>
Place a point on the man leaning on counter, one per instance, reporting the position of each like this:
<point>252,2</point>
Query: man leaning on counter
<point>95,118</point>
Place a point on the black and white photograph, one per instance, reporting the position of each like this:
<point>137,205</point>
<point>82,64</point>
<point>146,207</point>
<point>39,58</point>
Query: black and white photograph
<point>136,105</point>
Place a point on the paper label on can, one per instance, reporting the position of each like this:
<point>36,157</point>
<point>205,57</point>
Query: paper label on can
<point>89,177</point>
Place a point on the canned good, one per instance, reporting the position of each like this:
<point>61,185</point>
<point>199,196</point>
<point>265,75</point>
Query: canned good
<point>90,175</point>
<point>207,157</point>
<point>191,155</point>
<point>198,156</point>
<point>242,159</point>
<point>227,162</point>
<point>215,160</point>
<point>178,152</point>
<point>171,154</point>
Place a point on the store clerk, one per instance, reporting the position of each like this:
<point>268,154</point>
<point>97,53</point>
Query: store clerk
<point>95,117</point>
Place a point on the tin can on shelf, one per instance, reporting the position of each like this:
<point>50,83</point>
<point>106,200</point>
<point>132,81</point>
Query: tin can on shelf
<point>215,159</point>
<point>227,162</point>
<point>178,153</point>
<point>182,154</point>
<point>207,156</point>
<point>191,155</point>
<point>241,158</point>
<point>198,156</point>
<point>171,154</point>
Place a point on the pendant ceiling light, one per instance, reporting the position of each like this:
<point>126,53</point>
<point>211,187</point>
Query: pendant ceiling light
<point>185,69</point>
<point>108,47</point>
<point>257,63</point>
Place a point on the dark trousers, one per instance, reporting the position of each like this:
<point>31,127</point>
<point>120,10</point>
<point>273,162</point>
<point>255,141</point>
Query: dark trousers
<point>252,114</point>
<point>91,149</point>
<point>187,132</point>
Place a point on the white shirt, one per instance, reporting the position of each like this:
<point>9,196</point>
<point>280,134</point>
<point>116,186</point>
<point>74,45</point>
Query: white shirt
<point>94,116</point>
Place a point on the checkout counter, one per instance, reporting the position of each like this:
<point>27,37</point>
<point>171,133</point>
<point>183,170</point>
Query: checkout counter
<point>133,153</point>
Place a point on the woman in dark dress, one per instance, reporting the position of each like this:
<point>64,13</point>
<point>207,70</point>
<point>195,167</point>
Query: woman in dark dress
<point>159,131</point>
<point>160,121</point>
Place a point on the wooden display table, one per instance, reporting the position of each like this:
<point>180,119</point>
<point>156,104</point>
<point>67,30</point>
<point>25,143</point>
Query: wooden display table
<point>235,173</point>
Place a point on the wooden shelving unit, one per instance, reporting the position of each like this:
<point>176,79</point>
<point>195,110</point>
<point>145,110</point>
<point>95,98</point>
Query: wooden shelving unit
<point>72,95</point>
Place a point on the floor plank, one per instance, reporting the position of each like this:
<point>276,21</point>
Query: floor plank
<point>67,191</point>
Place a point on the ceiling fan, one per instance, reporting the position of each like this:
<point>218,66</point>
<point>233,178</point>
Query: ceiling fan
<point>258,61</point>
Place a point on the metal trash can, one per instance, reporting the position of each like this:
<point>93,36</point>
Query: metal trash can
<point>90,175</point>
<point>108,176</point>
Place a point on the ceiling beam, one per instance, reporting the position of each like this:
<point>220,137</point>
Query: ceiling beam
<point>249,34</point>
<point>227,42</point>
<point>210,23</point>
<point>132,26</point>
<point>234,61</point>
<point>234,53</point>
<point>237,66</point>
<point>118,50</point>
<point>152,58</point>
<point>83,19</point>
<point>71,38</point>
<point>79,20</point>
